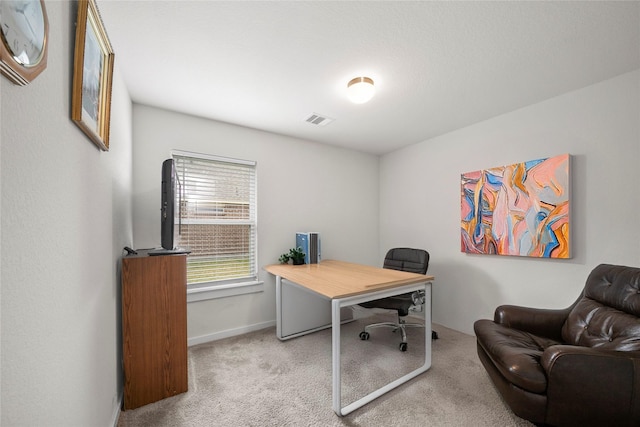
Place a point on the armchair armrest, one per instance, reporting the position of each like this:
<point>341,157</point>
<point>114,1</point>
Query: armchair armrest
<point>588,386</point>
<point>538,321</point>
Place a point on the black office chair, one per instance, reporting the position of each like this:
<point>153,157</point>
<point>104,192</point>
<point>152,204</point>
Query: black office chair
<point>403,259</point>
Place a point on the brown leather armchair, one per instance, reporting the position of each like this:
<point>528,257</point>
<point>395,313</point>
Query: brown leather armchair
<point>579,366</point>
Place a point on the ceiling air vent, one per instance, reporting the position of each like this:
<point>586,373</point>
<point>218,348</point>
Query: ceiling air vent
<point>317,119</point>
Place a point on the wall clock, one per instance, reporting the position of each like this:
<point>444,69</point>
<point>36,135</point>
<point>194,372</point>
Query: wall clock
<point>24,28</point>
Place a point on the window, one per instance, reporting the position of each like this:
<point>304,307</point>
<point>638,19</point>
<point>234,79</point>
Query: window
<point>217,219</point>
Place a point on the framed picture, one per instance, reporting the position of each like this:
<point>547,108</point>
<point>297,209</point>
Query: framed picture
<point>521,209</point>
<point>92,75</point>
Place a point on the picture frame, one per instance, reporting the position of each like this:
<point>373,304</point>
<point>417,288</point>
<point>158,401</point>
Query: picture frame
<point>92,75</point>
<point>522,209</point>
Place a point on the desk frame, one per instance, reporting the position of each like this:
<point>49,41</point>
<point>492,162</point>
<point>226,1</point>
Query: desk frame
<point>337,303</point>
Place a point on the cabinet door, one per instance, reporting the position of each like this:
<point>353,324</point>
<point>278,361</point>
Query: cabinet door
<point>154,327</point>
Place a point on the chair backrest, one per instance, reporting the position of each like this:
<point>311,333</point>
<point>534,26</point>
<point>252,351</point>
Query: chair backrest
<point>607,315</point>
<point>407,259</point>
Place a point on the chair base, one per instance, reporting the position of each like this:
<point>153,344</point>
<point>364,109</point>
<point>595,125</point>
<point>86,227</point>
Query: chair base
<point>401,325</point>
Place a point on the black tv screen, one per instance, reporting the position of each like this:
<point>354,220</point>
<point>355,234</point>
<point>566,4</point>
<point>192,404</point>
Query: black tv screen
<point>170,205</point>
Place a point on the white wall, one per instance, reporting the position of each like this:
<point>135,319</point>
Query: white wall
<point>420,199</point>
<point>302,186</point>
<point>66,214</point>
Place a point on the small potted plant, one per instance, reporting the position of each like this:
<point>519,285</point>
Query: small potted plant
<point>295,255</point>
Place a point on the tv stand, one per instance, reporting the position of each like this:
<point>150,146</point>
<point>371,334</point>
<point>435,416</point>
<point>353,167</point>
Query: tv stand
<point>154,327</point>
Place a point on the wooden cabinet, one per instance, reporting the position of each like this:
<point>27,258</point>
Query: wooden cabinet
<point>154,327</point>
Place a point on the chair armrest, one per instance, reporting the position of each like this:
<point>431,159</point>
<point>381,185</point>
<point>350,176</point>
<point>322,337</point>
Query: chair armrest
<point>588,386</point>
<point>577,355</point>
<point>538,321</point>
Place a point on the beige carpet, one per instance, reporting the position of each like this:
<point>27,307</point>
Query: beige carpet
<point>257,380</point>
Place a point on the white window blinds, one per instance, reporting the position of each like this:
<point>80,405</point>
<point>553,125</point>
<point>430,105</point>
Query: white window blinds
<point>217,219</point>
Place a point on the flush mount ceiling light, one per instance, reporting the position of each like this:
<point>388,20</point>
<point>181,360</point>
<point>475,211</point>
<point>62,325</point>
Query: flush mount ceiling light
<point>360,90</point>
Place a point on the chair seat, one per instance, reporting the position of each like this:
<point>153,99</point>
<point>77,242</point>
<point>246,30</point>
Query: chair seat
<point>401,303</point>
<point>516,354</point>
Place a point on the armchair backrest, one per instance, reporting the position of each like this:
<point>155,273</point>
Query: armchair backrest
<point>407,259</point>
<point>607,315</point>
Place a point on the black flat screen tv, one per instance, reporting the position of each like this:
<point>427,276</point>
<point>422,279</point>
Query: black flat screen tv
<point>170,202</point>
<point>170,208</point>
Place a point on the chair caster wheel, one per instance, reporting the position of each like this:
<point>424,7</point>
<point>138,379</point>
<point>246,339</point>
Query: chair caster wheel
<point>364,335</point>
<point>403,346</point>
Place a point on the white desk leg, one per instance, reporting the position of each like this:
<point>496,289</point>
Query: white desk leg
<point>335,347</point>
<point>279,307</point>
<point>335,352</point>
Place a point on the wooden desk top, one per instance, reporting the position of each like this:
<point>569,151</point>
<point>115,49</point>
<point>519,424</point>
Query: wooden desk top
<point>339,279</point>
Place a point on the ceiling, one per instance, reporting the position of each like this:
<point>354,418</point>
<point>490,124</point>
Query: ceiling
<point>437,66</point>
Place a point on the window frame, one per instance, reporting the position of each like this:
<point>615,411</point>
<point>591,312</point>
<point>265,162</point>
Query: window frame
<point>235,286</point>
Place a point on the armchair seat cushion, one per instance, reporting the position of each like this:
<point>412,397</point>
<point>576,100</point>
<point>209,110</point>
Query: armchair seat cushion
<point>516,354</point>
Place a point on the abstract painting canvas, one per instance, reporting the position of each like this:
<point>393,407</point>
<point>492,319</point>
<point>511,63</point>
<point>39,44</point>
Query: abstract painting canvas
<point>520,209</point>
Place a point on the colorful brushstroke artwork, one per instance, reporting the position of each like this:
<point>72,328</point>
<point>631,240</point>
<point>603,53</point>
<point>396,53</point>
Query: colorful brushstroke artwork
<point>520,209</point>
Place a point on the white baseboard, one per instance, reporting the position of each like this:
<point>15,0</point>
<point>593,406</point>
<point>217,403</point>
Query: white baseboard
<point>229,333</point>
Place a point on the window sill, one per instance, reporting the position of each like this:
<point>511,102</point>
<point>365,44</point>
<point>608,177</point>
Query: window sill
<point>203,293</point>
